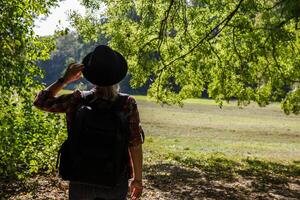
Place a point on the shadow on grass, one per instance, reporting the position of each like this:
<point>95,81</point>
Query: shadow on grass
<point>186,178</point>
<point>221,178</point>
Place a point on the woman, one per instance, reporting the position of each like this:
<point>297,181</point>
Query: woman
<point>104,68</point>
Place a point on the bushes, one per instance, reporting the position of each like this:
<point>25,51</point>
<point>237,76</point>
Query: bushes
<point>29,138</point>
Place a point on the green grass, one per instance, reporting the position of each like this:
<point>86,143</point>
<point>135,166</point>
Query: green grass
<point>201,127</point>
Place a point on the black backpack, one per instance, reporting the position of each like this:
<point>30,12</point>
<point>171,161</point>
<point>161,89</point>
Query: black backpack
<point>96,150</point>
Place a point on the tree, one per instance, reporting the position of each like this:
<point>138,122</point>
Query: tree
<point>246,49</point>
<point>28,138</point>
<point>20,48</point>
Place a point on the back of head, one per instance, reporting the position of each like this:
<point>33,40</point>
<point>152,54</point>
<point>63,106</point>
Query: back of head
<point>107,92</point>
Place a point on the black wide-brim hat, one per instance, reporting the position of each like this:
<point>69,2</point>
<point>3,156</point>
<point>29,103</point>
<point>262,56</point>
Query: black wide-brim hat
<point>104,66</point>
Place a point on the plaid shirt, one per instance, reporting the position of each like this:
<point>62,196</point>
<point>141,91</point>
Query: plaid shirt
<point>68,104</point>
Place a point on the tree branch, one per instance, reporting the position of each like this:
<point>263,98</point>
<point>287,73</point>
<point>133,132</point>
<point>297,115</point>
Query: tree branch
<point>223,23</point>
<point>163,25</point>
<point>146,44</point>
<point>213,50</point>
<point>234,45</point>
<point>275,5</point>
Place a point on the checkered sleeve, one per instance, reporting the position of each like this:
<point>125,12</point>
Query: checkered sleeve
<point>136,135</point>
<point>58,104</point>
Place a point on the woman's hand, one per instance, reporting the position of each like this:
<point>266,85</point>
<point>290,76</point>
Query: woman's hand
<point>136,189</point>
<point>73,73</point>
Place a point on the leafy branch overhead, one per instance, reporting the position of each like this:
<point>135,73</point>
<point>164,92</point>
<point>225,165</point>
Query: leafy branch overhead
<point>246,50</point>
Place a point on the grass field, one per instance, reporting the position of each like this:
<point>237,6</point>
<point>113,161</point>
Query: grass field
<point>202,127</point>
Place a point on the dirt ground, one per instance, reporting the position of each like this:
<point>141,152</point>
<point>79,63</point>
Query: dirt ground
<point>171,182</point>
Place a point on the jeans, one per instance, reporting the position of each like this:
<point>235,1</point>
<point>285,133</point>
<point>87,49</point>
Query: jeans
<point>83,191</point>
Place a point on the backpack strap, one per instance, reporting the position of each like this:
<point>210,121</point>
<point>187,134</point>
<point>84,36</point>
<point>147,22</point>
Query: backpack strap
<point>119,103</point>
<point>117,108</point>
<point>88,97</point>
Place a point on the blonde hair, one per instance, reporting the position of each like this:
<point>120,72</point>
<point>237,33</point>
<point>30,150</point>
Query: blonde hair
<point>108,92</point>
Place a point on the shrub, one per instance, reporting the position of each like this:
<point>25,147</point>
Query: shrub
<point>29,138</point>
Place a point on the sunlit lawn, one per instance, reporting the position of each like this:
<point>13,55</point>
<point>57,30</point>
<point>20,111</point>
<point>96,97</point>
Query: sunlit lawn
<point>201,127</point>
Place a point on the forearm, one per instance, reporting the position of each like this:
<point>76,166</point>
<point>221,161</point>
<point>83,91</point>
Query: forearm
<point>47,100</point>
<point>55,87</point>
<point>136,154</point>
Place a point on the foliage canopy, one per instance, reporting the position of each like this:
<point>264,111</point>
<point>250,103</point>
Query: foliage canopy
<point>246,49</point>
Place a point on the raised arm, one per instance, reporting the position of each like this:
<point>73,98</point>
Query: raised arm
<point>46,99</point>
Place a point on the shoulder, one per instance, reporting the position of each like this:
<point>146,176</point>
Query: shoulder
<point>129,99</point>
<point>130,102</point>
